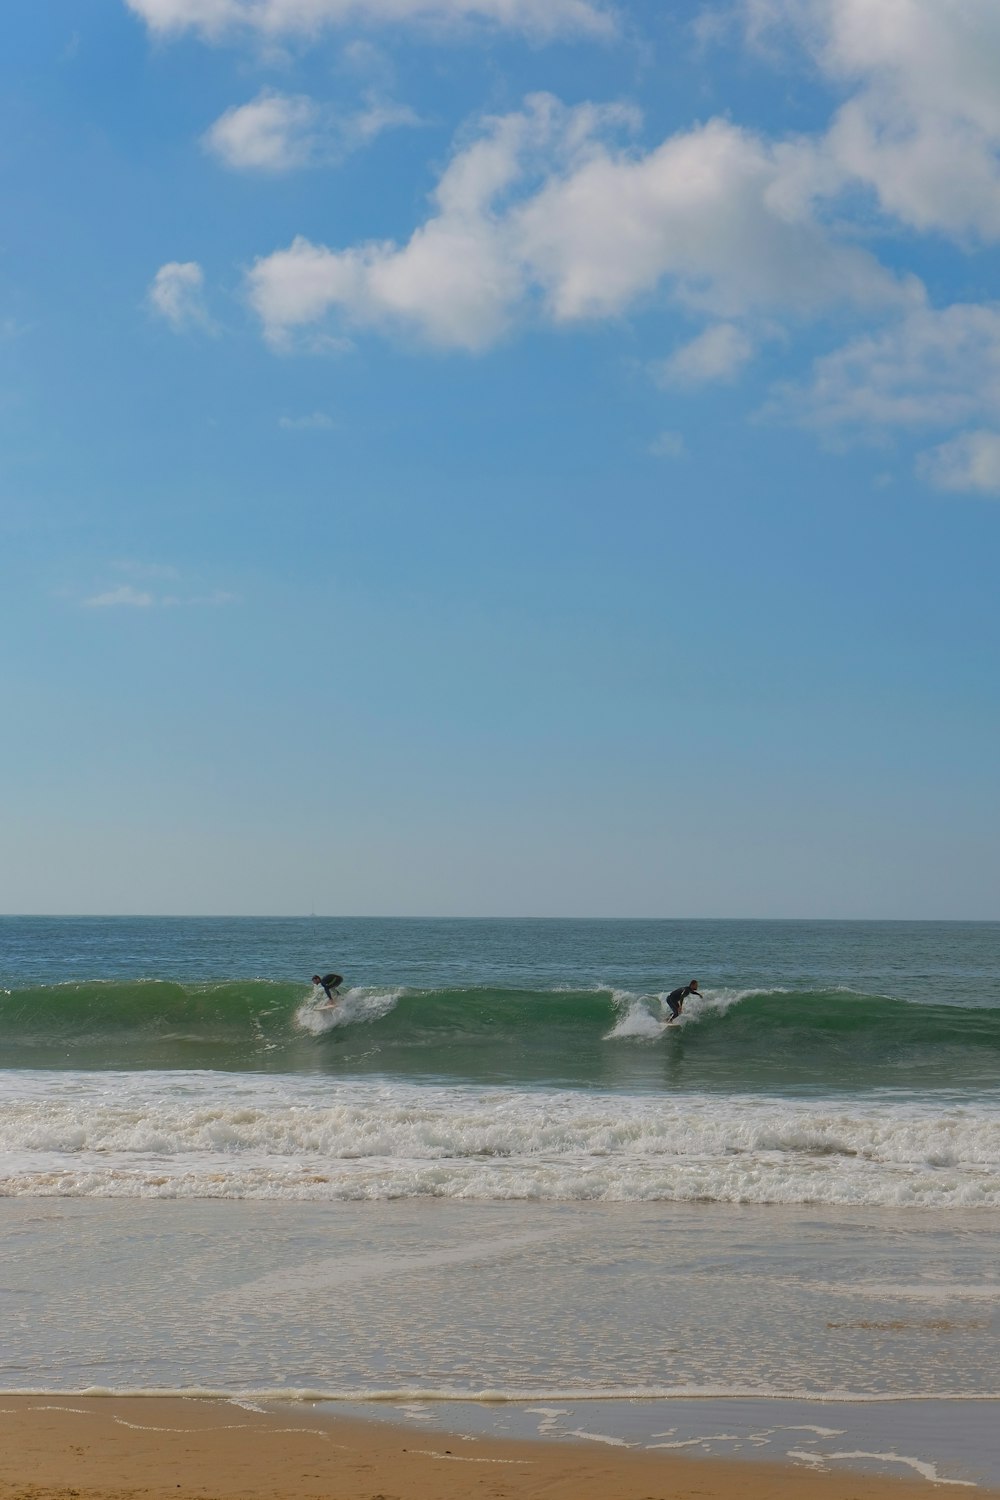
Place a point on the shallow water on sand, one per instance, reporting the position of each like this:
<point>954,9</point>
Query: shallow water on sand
<point>533,1301</point>
<point>947,1442</point>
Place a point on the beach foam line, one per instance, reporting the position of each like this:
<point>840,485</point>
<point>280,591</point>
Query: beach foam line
<point>920,1466</point>
<point>498,1395</point>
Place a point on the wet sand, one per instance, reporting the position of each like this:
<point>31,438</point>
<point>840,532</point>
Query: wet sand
<point>108,1448</point>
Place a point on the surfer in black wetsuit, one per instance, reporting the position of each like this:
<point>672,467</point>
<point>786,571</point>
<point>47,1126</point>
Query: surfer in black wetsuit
<point>329,984</point>
<point>676,998</point>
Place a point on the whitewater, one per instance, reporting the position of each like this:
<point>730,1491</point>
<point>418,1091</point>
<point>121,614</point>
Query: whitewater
<point>241,1136</point>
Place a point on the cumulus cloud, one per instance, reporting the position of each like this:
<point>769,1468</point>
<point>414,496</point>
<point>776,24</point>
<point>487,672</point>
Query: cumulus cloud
<point>279,132</point>
<point>544,208</point>
<point>921,127</point>
<point>273,133</point>
<point>454,282</point>
<point>718,353</point>
<point>703,208</point>
<point>931,368</point>
<point>969,462</point>
<point>214,20</point>
<point>551,213</point>
<point>176,294</point>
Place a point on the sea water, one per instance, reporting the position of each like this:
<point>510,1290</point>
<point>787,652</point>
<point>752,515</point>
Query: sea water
<point>493,1171</point>
<point>835,1063</point>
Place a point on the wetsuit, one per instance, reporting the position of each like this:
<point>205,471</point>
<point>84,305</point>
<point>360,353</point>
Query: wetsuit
<point>676,999</point>
<point>329,983</point>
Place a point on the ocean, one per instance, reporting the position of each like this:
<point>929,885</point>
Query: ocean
<point>827,1062</point>
<point>493,1176</point>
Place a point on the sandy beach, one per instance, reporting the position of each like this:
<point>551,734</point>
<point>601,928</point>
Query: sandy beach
<point>103,1449</point>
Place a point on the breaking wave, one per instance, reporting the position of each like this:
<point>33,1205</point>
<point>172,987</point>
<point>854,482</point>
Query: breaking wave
<point>729,1039</point>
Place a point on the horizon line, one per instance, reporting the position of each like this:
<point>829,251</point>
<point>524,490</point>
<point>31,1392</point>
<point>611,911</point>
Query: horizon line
<point>29,916</point>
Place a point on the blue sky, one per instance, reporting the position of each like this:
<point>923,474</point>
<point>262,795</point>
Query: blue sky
<point>500,457</point>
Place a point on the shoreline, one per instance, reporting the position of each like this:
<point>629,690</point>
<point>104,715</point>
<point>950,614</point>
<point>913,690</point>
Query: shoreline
<point>102,1448</point>
<point>310,1397</point>
<point>866,1340</point>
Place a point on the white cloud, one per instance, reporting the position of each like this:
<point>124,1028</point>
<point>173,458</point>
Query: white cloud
<point>374,117</point>
<point>176,294</point>
<point>128,596</point>
<point>932,368</point>
<point>703,208</point>
<point>668,444</point>
<point>454,282</point>
<point>273,133</point>
<point>124,595</point>
<point>969,462</point>
<point>216,19</point>
<point>279,132</point>
<point>718,353</point>
<point>922,127</point>
<point>543,208</point>
<point>317,421</point>
<point>551,213</point>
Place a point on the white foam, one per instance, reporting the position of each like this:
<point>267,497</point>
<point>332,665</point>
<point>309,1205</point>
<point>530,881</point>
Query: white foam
<point>645,1017</point>
<point>206,1134</point>
<point>599,1437</point>
<point>354,1006</point>
<point>698,1442</point>
<point>636,1017</point>
<point>926,1470</point>
<point>499,1395</point>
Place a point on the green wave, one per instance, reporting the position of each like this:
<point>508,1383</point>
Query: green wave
<point>129,1007</point>
<point>729,1040</point>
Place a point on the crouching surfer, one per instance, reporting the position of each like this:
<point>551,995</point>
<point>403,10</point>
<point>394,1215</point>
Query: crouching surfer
<point>676,998</point>
<point>330,985</point>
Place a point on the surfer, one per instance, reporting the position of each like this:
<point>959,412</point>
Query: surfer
<point>676,998</point>
<point>330,985</point>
